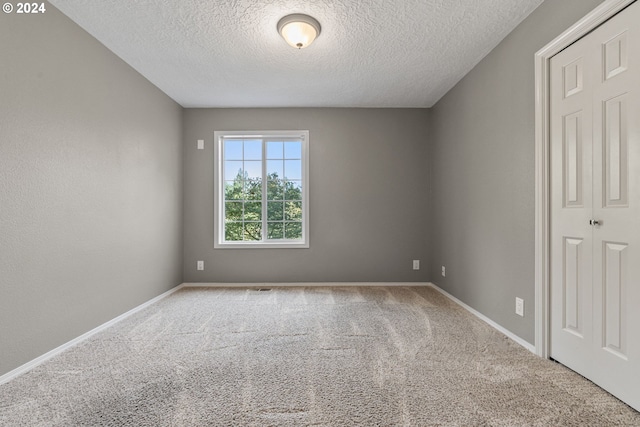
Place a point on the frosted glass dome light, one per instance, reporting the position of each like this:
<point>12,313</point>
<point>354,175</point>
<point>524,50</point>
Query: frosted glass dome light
<point>299,30</point>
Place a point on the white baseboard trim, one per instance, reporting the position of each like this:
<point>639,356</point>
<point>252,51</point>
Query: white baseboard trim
<point>41,359</point>
<point>300,284</point>
<point>485,319</point>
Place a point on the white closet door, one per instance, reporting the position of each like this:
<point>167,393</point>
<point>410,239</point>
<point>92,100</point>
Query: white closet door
<point>595,206</point>
<point>572,78</point>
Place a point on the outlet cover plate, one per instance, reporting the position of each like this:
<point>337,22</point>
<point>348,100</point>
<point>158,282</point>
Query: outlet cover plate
<point>519,306</point>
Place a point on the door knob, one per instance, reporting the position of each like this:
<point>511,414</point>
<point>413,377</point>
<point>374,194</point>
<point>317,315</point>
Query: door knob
<point>594,222</point>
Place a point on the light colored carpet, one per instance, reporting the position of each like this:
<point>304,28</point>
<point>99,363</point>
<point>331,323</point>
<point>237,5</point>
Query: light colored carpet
<point>385,356</point>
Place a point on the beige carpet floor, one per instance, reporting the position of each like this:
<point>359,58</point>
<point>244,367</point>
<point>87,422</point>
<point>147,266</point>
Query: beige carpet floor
<point>377,356</point>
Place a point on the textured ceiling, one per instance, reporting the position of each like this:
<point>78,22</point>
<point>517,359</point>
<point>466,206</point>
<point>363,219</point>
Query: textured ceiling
<point>371,53</point>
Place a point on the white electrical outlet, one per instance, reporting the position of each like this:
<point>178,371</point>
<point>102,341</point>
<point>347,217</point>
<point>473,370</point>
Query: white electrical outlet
<point>201,144</point>
<point>416,264</point>
<point>519,306</point>
<point>200,265</point>
<point>444,271</point>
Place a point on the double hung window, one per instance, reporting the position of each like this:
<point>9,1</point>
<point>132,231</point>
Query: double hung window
<point>261,189</point>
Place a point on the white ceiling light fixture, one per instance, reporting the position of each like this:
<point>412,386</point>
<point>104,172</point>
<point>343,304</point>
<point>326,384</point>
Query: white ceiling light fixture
<point>299,30</point>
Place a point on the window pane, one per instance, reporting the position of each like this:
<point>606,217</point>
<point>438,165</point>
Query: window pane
<point>233,211</point>
<point>293,211</point>
<point>253,149</point>
<point>253,211</point>
<point>253,190</point>
<point>233,190</point>
<point>293,230</point>
<point>275,169</point>
<point>232,170</point>
<point>275,230</point>
<point>293,150</point>
<point>233,231</point>
<point>293,190</point>
<point>275,190</point>
<point>252,231</point>
<point>293,169</point>
<point>261,188</point>
<point>253,170</point>
<point>274,150</point>
<point>233,150</point>
<point>275,211</point>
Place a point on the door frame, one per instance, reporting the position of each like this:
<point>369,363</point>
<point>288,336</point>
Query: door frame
<point>592,20</point>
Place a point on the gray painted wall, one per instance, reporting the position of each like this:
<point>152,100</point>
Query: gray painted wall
<point>90,186</point>
<point>368,204</point>
<point>482,173</point>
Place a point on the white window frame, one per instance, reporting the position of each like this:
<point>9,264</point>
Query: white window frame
<point>219,242</point>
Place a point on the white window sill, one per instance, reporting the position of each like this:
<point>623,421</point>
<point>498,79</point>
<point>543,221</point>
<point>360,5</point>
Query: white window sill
<point>271,245</point>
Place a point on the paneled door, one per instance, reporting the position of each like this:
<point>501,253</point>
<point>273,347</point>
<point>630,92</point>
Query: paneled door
<point>595,206</point>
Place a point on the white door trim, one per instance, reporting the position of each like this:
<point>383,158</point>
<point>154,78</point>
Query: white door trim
<point>542,59</point>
